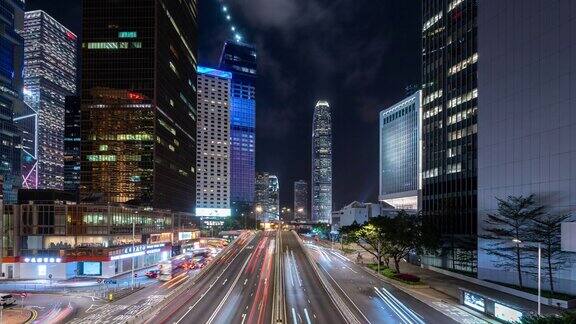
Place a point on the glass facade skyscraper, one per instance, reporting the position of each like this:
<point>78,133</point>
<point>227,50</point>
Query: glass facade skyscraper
<point>267,197</point>
<point>213,150</point>
<point>301,200</point>
<point>11,64</point>
<point>139,103</point>
<point>240,59</point>
<point>322,163</point>
<point>49,76</point>
<point>449,103</point>
<point>400,158</point>
<point>72,144</point>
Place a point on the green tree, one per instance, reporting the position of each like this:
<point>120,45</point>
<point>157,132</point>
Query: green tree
<point>369,237</point>
<point>545,230</point>
<point>564,318</point>
<point>404,234</point>
<point>508,229</point>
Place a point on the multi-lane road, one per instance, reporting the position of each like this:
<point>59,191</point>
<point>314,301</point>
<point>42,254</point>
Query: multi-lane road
<point>237,289</point>
<point>272,277</point>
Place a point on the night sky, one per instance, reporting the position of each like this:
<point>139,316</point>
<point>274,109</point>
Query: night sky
<point>359,55</point>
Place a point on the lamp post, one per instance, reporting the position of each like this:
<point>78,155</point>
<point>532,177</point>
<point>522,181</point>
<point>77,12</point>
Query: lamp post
<point>518,242</point>
<point>258,214</point>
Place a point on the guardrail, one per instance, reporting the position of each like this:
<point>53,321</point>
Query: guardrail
<point>336,299</point>
<point>278,303</point>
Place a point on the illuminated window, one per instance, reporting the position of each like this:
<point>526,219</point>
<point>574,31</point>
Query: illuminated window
<point>127,34</point>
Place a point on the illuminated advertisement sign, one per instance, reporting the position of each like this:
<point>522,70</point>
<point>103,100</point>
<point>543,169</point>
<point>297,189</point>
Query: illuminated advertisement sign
<point>474,301</point>
<point>506,313</point>
<point>213,212</point>
<point>138,250</point>
<point>184,236</point>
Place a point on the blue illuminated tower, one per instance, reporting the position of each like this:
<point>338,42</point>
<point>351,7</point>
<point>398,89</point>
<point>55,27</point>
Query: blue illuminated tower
<point>240,59</point>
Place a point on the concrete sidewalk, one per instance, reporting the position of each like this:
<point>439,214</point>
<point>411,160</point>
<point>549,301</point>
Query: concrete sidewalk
<point>445,288</point>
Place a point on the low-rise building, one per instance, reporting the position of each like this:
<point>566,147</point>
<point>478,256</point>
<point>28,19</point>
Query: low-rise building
<point>61,241</point>
<point>360,213</point>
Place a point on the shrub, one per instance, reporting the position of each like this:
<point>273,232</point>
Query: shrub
<point>407,277</point>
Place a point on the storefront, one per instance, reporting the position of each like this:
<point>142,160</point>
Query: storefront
<point>112,263</point>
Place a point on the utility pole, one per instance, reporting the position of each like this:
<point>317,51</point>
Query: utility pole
<point>539,276</point>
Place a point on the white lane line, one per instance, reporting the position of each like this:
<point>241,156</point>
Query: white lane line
<point>227,293</point>
<point>294,316</point>
<point>210,287</point>
<point>345,294</point>
<point>245,281</point>
<point>296,269</point>
<point>225,280</point>
<point>407,310</point>
<point>243,318</point>
<point>307,316</point>
<point>393,307</point>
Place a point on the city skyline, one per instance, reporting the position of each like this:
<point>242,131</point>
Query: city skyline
<point>287,122</point>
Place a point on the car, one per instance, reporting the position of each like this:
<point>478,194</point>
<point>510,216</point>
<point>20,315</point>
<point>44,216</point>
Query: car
<point>7,300</point>
<point>152,274</point>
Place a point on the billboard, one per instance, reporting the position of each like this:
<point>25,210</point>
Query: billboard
<point>213,212</point>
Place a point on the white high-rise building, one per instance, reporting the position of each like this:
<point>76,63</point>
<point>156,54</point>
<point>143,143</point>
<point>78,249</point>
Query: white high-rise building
<point>322,163</point>
<point>213,143</point>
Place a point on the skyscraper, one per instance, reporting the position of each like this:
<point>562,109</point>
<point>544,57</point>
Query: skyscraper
<point>72,144</point>
<point>322,163</point>
<point>11,63</point>
<point>240,59</point>
<point>527,127</point>
<point>267,197</point>
<point>49,76</point>
<point>139,103</point>
<point>301,200</point>
<point>449,105</point>
<point>213,143</point>
<point>400,154</point>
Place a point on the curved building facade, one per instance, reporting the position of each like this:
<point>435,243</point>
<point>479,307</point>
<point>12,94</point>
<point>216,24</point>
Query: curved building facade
<point>322,163</point>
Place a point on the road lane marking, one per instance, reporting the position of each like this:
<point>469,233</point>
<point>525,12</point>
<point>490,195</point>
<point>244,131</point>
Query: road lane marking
<point>407,311</point>
<point>307,316</point>
<point>245,281</point>
<point>204,294</point>
<point>345,294</point>
<point>294,316</point>
<point>225,280</point>
<point>393,307</point>
<point>243,318</point>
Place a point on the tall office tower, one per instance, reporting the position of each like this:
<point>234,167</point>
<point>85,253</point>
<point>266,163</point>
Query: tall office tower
<point>300,200</point>
<point>213,143</point>
<point>267,197</point>
<point>139,103</point>
<point>72,144</point>
<point>449,102</point>
<point>49,76</point>
<point>322,163</point>
<point>240,59</point>
<point>527,123</point>
<point>11,63</point>
<point>400,153</point>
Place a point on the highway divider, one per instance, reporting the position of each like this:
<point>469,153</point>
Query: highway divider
<point>344,310</point>
<point>278,302</point>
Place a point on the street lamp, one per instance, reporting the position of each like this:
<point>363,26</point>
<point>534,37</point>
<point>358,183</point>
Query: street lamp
<point>518,242</point>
